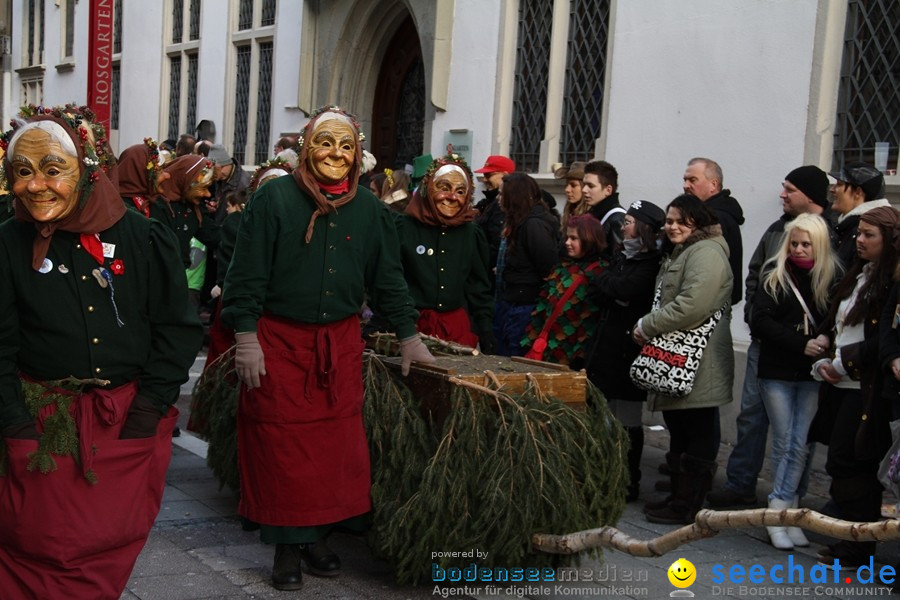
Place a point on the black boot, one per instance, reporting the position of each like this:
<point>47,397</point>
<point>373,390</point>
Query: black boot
<point>674,462</point>
<point>320,560</point>
<point>694,482</point>
<point>859,499</point>
<point>636,435</point>
<point>286,573</point>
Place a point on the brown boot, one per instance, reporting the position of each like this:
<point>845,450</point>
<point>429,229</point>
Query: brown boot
<point>694,482</point>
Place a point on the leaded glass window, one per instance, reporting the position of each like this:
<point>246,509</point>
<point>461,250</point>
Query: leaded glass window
<point>117,27</point>
<point>245,15</point>
<point>70,28</point>
<point>177,21</point>
<point>263,102</point>
<point>585,70</point>
<point>268,13</point>
<point>193,62</point>
<point>869,89</point>
<point>530,90</point>
<point>116,93</point>
<point>174,95</point>
<point>241,103</point>
<point>411,116</point>
<point>195,20</point>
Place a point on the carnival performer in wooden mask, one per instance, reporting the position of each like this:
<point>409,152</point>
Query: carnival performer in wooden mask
<point>445,257</point>
<point>309,249</point>
<point>96,339</point>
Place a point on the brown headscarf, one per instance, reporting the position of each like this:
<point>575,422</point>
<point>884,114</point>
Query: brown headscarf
<point>183,172</point>
<point>99,204</point>
<point>138,167</point>
<point>308,182</point>
<point>422,208</point>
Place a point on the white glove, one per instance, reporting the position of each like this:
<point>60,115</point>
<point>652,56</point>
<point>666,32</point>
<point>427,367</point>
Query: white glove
<point>412,349</point>
<point>248,359</point>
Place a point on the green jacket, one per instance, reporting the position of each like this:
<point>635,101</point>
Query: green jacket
<point>446,268</point>
<point>354,251</point>
<point>696,281</point>
<point>62,322</point>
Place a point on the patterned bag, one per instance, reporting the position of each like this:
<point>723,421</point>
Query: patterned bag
<point>668,363</point>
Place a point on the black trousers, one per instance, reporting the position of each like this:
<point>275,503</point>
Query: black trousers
<point>694,431</point>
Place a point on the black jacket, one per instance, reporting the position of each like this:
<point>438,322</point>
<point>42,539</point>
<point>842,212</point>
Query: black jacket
<point>531,258</point>
<point>778,324</point>
<point>625,291</point>
<point>731,217</point>
<point>491,220</point>
<point>613,225</point>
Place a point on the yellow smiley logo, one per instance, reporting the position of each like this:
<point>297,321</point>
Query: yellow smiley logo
<point>682,573</point>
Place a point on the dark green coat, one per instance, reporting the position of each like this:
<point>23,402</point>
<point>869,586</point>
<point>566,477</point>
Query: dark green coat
<point>447,268</point>
<point>62,323</point>
<point>353,252</point>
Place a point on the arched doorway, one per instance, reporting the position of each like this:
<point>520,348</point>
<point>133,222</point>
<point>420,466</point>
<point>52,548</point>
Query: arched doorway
<point>398,112</point>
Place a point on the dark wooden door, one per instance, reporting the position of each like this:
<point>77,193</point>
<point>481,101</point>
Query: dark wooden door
<point>398,115</point>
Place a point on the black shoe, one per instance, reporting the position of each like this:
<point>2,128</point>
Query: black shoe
<point>851,555</point>
<point>176,432</point>
<point>248,525</point>
<point>727,497</point>
<point>320,560</point>
<point>286,574</point>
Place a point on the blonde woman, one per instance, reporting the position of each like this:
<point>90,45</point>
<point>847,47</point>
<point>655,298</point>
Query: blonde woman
<point>793,303</point>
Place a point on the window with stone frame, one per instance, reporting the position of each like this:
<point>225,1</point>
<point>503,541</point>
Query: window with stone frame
<point>251,106</point>
<point>181,66</point>
<point>868,109</point>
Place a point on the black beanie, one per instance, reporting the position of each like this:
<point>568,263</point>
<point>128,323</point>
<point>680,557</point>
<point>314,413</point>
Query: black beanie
<point>648,213</point>
<point>812,181</point>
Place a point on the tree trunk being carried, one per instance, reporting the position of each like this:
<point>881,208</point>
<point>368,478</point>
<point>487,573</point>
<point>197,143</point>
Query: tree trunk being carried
<point>709,523</point>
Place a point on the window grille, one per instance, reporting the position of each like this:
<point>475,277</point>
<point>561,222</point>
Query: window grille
<point>193,63</point>
<point>70,28</point>
<point>263,102</point>
<point>177,21</point>
<point>41,22</point>
<point>241,103</point>
<point>195,20</point>
<point>585,70</point>
<point>268,13</point>
<point>530,90</point>
<point>117,27</point>
<point>410,116</point>
<point>116,92</point>
<point>869,89</point>
<point>29,43</point>
<point>245,15</point>
<point>174,95</point>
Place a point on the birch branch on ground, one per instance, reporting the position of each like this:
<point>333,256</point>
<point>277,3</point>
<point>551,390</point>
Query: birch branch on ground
<point>710,522</point>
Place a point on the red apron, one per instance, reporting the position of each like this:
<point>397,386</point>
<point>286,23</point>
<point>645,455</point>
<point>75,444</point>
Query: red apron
<point>302,448</point>
<point>62,537</point>
<point>452,326</point>
<point>220,340</point>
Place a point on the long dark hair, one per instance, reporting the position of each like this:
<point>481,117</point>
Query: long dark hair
<point>874,291</point>
<point>591,234</point>
<point>694,212</point>
<point>518,195</point>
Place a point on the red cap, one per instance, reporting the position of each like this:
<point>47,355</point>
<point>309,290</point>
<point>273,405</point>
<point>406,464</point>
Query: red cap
<point>496,163</point>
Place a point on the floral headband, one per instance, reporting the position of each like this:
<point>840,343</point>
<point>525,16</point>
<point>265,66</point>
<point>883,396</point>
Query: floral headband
<point>334,109</point>
<point>273,163</point>
<point>153,166</point>
<point>451,158</point>
<point>94,145</point>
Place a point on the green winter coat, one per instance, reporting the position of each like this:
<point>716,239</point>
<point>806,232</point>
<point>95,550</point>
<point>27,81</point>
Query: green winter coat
<point>697,281</point>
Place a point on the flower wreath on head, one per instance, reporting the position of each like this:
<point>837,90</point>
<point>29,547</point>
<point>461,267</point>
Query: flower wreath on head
<point>92,139</point>
<point>451,158</point>
<point>273,163</point>
<point>335,109</point>
<point>153,166</point>
<point>206,171</point>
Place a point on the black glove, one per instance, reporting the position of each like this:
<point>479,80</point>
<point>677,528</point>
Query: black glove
<point>142,420</point>
<point>21,431</point>
<point>487,342</point>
